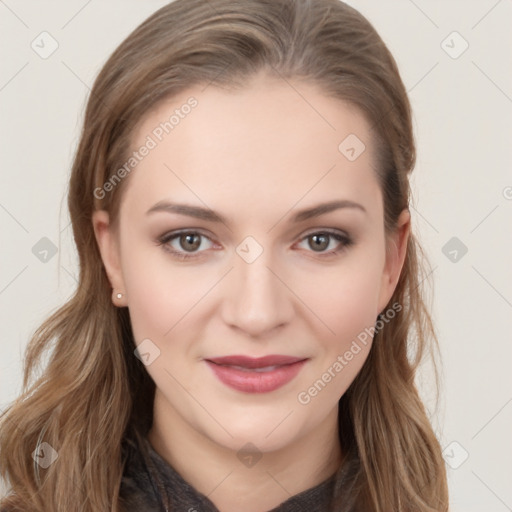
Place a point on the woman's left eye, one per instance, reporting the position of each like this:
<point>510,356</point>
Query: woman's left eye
<point>188,244</point>
<point>321,240</point>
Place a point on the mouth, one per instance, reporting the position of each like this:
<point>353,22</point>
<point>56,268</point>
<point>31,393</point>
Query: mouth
<point>257,370</point>
<point>256,375</point>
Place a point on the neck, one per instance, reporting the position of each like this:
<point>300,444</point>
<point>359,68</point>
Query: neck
<point>238,480</point>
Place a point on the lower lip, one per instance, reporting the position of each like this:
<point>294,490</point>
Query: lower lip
<point>256,382</point>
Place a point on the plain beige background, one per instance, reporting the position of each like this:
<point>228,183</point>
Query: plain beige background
<point>454,58</point>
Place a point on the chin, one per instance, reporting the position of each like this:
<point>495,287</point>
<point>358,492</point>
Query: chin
<point>266,435</point>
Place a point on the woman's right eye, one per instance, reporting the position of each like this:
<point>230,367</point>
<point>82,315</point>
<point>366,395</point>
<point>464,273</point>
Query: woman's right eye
<point>183,244</point>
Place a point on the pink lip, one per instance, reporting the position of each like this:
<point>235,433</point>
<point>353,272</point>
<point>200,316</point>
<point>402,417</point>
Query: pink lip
<point>254,381</point>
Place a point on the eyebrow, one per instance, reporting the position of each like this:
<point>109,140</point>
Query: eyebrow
<point>209,215</point>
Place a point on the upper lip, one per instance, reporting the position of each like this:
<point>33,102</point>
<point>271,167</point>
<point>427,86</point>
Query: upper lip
<point>258,362</point>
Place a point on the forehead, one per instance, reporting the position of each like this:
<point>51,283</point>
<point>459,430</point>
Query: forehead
<point>273,142</point>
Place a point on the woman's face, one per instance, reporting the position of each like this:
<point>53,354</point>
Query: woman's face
<point>269,278</point>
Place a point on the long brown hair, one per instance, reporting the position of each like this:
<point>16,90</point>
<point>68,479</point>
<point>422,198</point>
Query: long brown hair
<point>93,393</point>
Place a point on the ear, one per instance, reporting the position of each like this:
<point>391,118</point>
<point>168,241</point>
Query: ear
<point>108,245</point>
<point>396,250</point>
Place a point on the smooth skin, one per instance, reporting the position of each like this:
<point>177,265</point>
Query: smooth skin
<point>256,156</point>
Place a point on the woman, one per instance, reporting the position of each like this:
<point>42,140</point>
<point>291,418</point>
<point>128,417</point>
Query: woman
<point>248,321</point>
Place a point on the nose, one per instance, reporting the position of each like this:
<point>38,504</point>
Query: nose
<point>257,301</point>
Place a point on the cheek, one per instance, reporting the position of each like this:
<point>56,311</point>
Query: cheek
<point>344,297</point>
<point>352,302</point>
<point>347,305</point>
<point>160,293</point>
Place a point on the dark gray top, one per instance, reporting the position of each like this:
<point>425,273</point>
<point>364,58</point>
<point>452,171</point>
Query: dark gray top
<point>151,484</point>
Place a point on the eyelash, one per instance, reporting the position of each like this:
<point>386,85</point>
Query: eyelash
<point>164,240</point>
